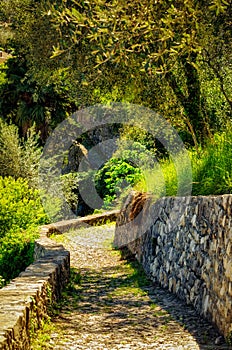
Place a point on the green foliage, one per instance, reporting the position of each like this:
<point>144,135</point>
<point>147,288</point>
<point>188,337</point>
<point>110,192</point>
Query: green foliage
<point>126,168</point>
<point>211,170</point>
<point>229,338</point>
<point>216,100</point>
<point>20,206</point>
<point>70,184</point>
<point>10,150</point>
<point>160,181</point>
<point>20,214</point>
<point>114,177</point>
<point>176,39</point>
<point>2,76</point>
<point>137,146</point>
<point>212,166</point>
<point>30,157</point>
<point>42,98</point>
<point>19,157</point>
<point>16,252</point>
<point>37,89</point>
<point>2,282</point>
<point>164,56</point>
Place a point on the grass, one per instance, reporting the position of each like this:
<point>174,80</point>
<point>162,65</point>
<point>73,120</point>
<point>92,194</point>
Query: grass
<point>135,280</point>
<point>41,338</point>
<point>211,168</point>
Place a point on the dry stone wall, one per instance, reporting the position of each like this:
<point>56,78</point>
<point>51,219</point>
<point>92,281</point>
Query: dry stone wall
<point>185,244</point>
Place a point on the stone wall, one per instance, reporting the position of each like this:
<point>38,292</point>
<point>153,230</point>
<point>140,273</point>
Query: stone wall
<point>185,244</point>
<point>25,300</point>
<point>96,219</point>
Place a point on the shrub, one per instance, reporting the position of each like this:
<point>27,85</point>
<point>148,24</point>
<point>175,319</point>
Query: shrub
<point>211,170</point>
<point>20,206</point>
<point>114,177</point>
<point>72,184</point>
<point>10,150</point>
<point>2,282</point>
<point>212,166</point>
<point>135,153</point>
<point>16,253</point>
<point>19,157</point>
<point>20,214</point>
<point>124,170</point>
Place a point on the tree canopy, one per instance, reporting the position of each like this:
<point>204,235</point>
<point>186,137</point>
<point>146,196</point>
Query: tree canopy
<point>172,56</point>
<point>174,39</point>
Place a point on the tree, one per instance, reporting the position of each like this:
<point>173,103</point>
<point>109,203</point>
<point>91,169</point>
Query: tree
<point>36,88</point>
<point>19,158</point>
<point>28,98</point>
<point>161,54</point>
<point>173,39</point>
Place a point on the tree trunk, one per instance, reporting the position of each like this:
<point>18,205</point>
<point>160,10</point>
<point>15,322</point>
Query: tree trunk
<point>191,100</point>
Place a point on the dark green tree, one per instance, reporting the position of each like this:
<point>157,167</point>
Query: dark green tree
<point>36,89</point>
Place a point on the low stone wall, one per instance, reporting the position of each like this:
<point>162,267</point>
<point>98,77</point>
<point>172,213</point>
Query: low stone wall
<point>185,244</point>
<point>90,220</point>
<point>25,300</point>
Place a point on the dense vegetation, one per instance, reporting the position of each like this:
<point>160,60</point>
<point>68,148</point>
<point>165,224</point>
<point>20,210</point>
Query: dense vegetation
<point>173,57</point>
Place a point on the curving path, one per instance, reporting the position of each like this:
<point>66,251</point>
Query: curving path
<point>111,305</point>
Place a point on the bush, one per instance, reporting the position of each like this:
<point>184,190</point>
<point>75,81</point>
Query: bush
<point>16,253</point>
<point>10,150</point>
<point>114,177</point>
<point>124,170</point>
<point>20,215</point>
<point>134,166</point>
<point>19,157</point>
<point>212,166</point>
<point>20,206</point>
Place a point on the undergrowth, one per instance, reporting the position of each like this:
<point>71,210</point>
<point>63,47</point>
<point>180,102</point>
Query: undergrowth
<point>211,170</point>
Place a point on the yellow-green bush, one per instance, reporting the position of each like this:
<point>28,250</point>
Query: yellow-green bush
<point>20,206</point>
<point>21,213</point>
<point>16,253</point>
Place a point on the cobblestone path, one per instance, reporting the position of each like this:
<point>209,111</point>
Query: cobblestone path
<point>111,305</point>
